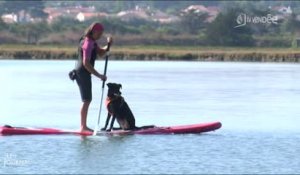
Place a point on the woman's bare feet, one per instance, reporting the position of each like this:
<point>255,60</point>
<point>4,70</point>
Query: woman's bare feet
<point>85,129</point>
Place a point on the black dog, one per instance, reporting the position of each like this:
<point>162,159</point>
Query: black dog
<point>118,109</point>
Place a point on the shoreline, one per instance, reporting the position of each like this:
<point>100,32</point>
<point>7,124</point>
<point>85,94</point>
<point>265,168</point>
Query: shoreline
<point>156,53</point>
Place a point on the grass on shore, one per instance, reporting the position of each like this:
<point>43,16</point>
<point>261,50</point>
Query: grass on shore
<point>157,53</point>
<point>176,50</point>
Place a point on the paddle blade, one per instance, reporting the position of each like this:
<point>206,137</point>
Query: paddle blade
<point>95,130</point>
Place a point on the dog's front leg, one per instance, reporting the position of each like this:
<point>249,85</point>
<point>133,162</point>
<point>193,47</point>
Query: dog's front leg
<point>112,123</point>
<point>107,121</point>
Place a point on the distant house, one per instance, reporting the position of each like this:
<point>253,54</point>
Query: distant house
<point>146,14</point>
<point>19,17</point>
<point>9,18</point>
<point>211,11</point>
<point>85,16</point>
<point>286,10</point>
<point>77,12</point>
<point>162,17</point>
<point>132,14</point>
<point>196,9</point>
<point>54,15</point>
<point>283,10</point>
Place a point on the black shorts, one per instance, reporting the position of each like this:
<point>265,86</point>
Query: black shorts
<point>84,82</point>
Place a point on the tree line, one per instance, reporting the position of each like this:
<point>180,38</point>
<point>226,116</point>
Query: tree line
<point>192,29</point>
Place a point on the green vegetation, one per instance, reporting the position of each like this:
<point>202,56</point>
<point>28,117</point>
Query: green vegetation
<point>191,30</point>
<point>192,37</point>
<point>157,53</point>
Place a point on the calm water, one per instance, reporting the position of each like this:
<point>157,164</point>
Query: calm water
<point>257,103</point>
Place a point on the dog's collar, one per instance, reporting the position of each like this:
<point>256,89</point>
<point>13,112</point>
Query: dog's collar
<point>110,99</point>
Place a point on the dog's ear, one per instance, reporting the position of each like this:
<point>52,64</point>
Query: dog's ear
<point>109,85</point>
<point>120,86</point>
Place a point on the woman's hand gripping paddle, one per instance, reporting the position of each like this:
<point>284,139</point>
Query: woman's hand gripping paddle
<point>103,85</point>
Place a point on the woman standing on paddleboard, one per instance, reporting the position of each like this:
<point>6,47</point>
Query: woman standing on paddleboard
<point>88,51</point>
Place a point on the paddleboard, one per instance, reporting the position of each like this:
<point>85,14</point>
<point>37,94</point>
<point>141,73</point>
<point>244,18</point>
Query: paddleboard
<point>4,130</point>
<point>183,129</point>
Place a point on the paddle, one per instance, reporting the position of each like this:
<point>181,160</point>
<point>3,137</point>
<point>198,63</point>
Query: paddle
<point>103,85</point>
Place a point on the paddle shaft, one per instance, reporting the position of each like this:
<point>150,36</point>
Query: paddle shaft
<point>103,85</point>
<point>105,68</point>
